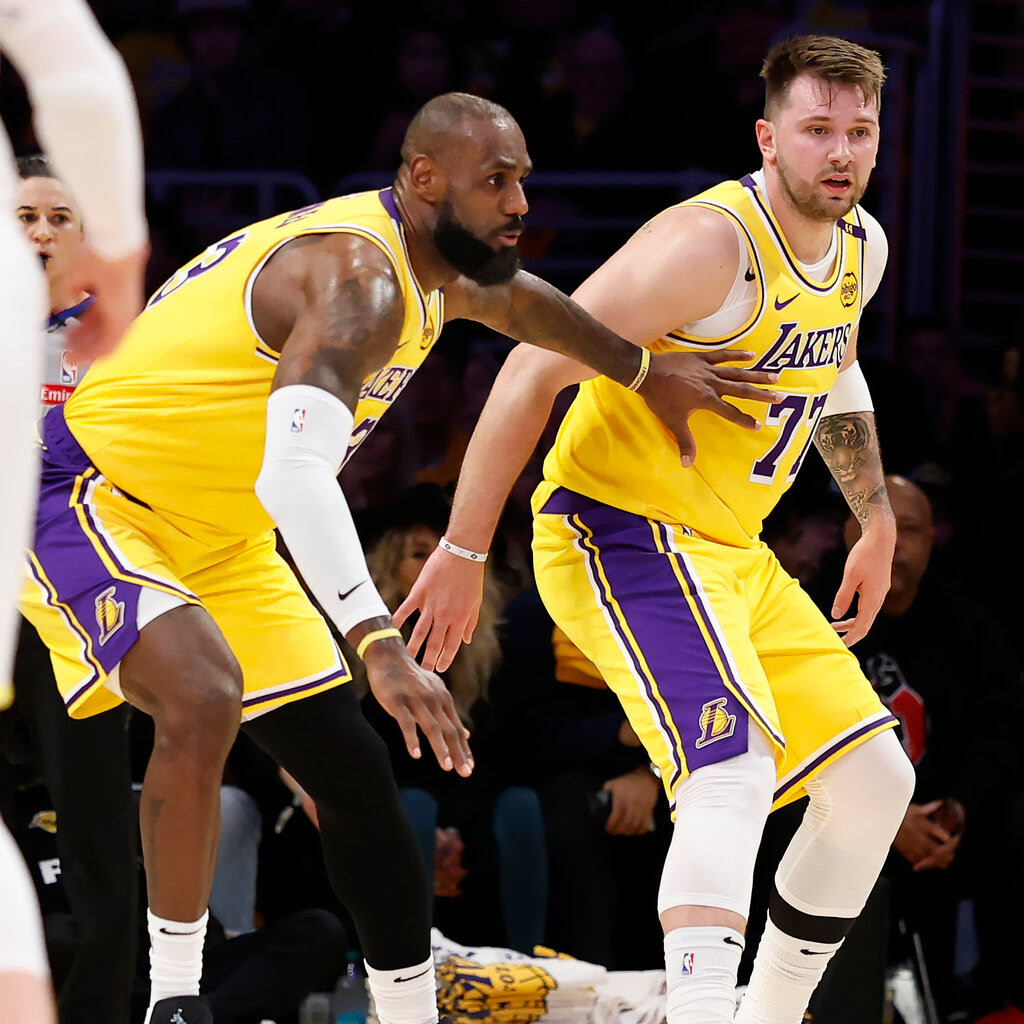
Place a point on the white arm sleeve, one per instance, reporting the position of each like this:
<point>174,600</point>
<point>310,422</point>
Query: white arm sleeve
<point>849,393</point>
<point>85,115</point>
<point>308,430</point>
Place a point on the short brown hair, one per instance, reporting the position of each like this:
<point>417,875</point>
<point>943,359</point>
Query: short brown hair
<point>833,60</point>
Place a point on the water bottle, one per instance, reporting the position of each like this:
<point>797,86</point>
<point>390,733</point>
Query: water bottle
<point>316,1009</point>
<point>351,1002</point>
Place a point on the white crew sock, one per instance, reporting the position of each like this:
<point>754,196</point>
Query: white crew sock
<point>175,957</point>
<point>700,968</point>
<point>405,996</point>
<point>786,972</point>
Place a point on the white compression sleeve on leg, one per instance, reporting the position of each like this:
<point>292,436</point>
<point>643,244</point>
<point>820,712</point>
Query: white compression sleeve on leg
<point>849,393</point>
<point>85,115</point>
<point>726,805</point>
<point>308,430</point>
<point>856,806</point>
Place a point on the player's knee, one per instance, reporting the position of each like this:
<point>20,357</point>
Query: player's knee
<point>874,781</point>
<point>203,710</point>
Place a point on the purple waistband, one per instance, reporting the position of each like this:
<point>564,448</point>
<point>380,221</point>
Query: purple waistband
<point>61,446</point>
<point>564,502</point>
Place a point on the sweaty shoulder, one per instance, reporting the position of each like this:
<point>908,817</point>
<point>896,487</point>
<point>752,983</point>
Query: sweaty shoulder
<point>876,249</point>
<point>677,268</point>
<point>310,270</point>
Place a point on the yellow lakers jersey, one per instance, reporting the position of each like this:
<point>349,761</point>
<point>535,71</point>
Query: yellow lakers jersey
<point>612,448</point>
<point>176,416</point>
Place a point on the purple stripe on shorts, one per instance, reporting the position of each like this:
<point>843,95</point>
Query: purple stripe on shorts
<point>648,592</point>
<point>248,702</point>
<point>834,748</point>
<point>713,633</point>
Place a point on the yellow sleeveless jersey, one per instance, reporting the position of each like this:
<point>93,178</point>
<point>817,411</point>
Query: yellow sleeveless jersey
<point>176,416</point>
<point>612,448</point>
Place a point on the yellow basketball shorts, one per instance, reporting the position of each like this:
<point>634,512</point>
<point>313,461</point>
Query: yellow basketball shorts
<point>103,565</point>
<point>699,639</point>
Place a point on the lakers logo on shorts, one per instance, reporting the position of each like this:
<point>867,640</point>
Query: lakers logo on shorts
<point>45,820</point>
<point>715,722</point>
<point>109,614</point>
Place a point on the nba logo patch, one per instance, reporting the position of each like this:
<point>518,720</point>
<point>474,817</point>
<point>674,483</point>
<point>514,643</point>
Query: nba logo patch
<point>687,963</point>
<point>298,421</point>
<point>68,368</point>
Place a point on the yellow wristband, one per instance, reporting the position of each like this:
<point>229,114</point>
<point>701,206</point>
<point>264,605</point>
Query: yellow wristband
<point>372,638</point>
<point>641,374</point>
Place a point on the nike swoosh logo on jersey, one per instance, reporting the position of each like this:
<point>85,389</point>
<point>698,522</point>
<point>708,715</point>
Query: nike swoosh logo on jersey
<point>749,275</point>
<point>732,941</point>
<point>815,952</point>
<point>783,305</point>
<point>341,596</point>
<point>413,977</point>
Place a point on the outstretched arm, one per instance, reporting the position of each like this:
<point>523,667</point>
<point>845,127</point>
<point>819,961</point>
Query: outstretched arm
<point>85,115</point>
<point>449,588</point>
<point>333,306</point>
<point>674,270</point>
<point>848,442</point>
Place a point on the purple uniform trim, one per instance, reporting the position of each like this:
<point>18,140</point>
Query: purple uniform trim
<point>876,724</point>
<point>255,699</point>
<point>103,607</point>
<point>815,286</point>
<point>644,585</point>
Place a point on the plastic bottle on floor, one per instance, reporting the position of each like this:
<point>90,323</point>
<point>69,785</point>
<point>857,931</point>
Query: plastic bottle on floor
<point>351,1002</point>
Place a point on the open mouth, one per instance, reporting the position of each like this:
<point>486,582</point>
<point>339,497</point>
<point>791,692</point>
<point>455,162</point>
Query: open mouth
<point>44,258</point>
<point>838,184</point>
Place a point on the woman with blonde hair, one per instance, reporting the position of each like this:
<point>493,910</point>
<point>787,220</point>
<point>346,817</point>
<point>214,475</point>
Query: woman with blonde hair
<point>480,831</point>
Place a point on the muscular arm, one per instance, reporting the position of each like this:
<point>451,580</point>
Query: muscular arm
<point>85,114</point>
<point>676,269</point>
<point>333,306</point>
<point>848,442</point>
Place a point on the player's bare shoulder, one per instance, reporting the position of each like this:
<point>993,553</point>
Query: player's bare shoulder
<point>679,266</point>
<point>333,277</point>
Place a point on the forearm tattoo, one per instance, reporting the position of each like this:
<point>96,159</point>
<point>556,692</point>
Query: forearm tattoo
<point>848,443</point>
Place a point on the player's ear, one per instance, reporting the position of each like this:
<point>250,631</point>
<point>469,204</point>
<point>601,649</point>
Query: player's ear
<point>427,178</point>
<point>765,138</point>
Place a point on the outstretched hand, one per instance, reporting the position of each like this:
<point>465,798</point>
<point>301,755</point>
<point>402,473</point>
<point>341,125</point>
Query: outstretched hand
<point>118,290</point>
<point>679,383</point>
<point>867,575</point>
<point>415,697</point>
<point>447,594</point>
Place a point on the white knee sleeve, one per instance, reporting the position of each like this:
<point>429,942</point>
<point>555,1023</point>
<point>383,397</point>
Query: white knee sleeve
<point>856,806</point>
<point>720,814</point>
<point>22,949</point>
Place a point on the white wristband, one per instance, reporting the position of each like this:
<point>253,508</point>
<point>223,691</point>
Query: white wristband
<point>471,556</point>
<point>849,393</point>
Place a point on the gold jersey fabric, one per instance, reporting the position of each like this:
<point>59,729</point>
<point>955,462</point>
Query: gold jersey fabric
<point>613,449</point>
<point>176,416</point>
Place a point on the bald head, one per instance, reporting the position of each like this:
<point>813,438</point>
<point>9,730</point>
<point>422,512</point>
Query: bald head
<point>447,119</point>
<point>908,501</point>
<point>915,533</point>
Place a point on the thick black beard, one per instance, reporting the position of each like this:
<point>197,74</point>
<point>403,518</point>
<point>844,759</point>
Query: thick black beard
<point>468,255</point>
